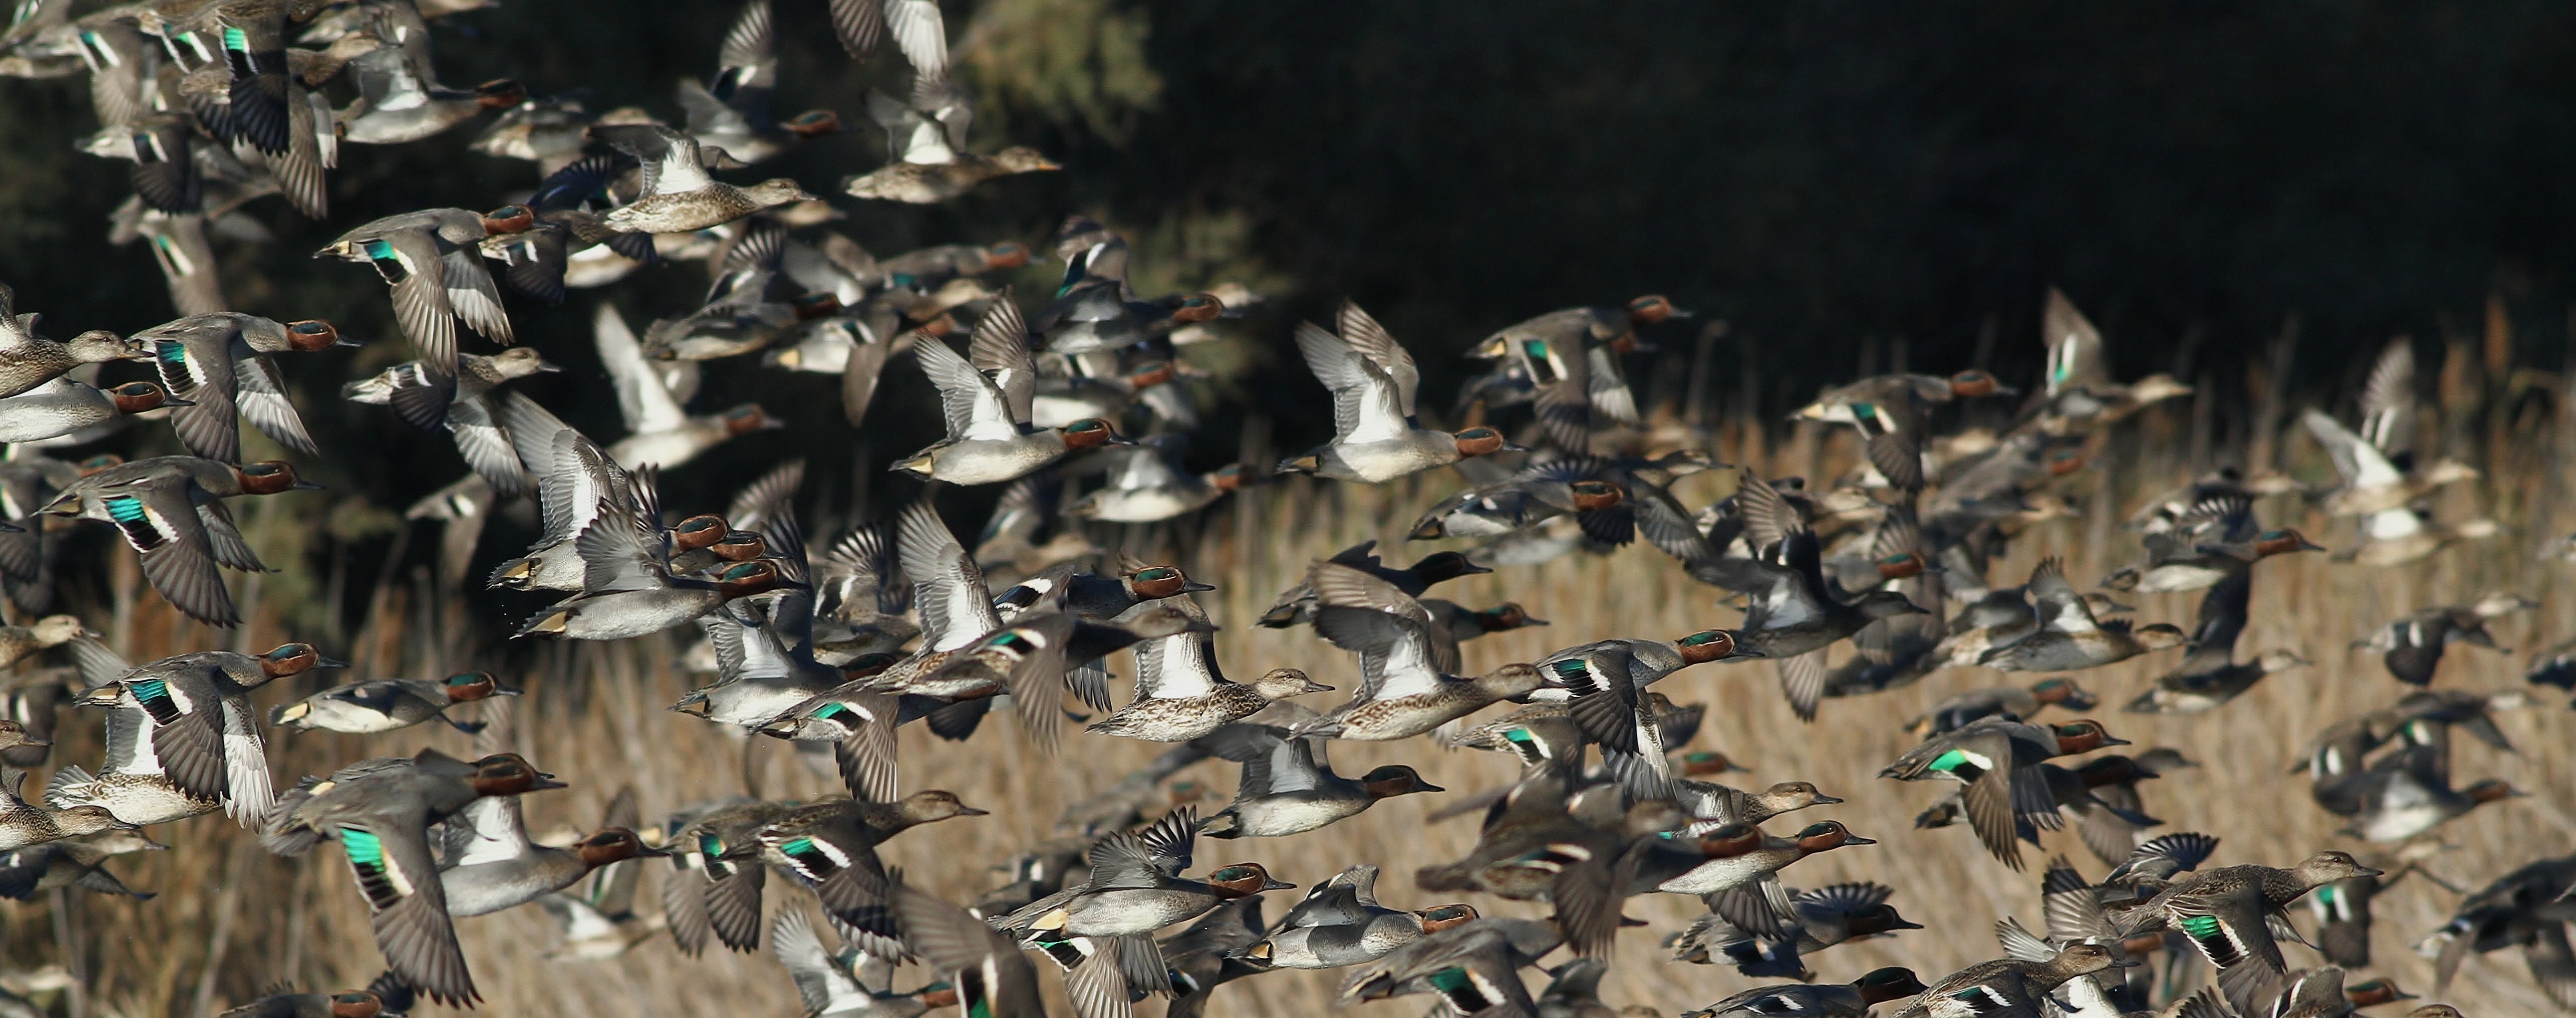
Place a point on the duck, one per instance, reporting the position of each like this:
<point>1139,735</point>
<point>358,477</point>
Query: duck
<point>746,310</point>
<point>2224,913</point>
<point>1403,693</point>
<point>1831,1000</point>
<point>1742,855</point>
<point>1520,501</point>
<point>1375,435</point>
<point>385,705</point>
<point>641,596</point>
<point>1994,756</point>
<point>431,260</point>
<point>204,733</point>
<point>678,195</point>
<point>2189,690</point>
<point>2408,793</point>
<point>2069,637</point>
<point>1793,616</point>
<point>1135,888</point>
<point>840,982</point>
<point>2009,986</point>
<point>77,861</point>
<point>597,919</point>
<point>1208,954</point>
<point>1603,683</point>
<point>491,865</point>
<point>221,364</point>
<point>1340,923</point>
<point>23,824</point>
<point>986,407</point>
<point>547,131</point>
<point>1823,918</point>
<point>660,432</point>
<point>469,418</point>
<point>1289,787</point>
<point>2168,511</point>
<point>380,811</point>
<point>1103,598</point>
<point>353,1004</point>
<point>831,848</point>
<point>576,484</point>
<point>930,169</point>
<point>2079,395</point>
<point>1951,714</point>
<point>2377,464</point>
<point>28,360</point>
<point>1533,847</point>
<point>2216,540</point>
<point>62,407</point>
<point>1145,488</point>
<point>1181,695</point>
<point>711,888</point>
<point>1889,411</point>
<point>1711,805</point>
<point>1296,605</point>
<point>732,113</point>
<point>2412,647</point>
<point>2519,909</point>
<point>986,967</point>
<point>1474,966</point>
<point>1570,360</point>
<point>2342,908</point>
<point>2395,537</point>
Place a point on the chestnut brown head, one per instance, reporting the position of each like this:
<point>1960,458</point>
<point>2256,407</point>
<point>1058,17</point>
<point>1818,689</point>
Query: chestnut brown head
<point>464,686</point>
<point>740,546</point>
<point>614,844</point>
<point>509,219</point>
<point>500,94</point>
<point>2372,993</point>
<point>1441,917</point>
<point>1480,442</point>
<point>1593,496</point>
<point>1506,616</point>
<point>1974,383</point>
<point>748,418</point>
<point>1830,834</point>
<point>1395,779</point>
<point>748,578</point>
<point>2281,542</point>
<point>1234,477</point>
<point>268,477</point>
<point>813,124</point>
<point>1649,310</point>
<point>357,1004</point>
<point>137,397</point>
<point>2063,692</point>
<point>292,659</point>
<point>2084,736</point>
<point>1700,763</point>
<point>1089,433</point>
<point>1200,307</point>
<point>1705,646</point>
<point>1009,254</point>
<point>2491,790</point>
<point>1898,567</point>
<point>507,774</point>
<point>1156,582</point>
<point>1243,880</point>
<point>700,531</point>
<point>312,334</point>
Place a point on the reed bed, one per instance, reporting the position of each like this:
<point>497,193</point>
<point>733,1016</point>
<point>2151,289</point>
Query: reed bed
<point>231,921</point>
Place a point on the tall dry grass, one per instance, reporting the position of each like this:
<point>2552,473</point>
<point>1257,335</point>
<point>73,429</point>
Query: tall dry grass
<point>231,920</point>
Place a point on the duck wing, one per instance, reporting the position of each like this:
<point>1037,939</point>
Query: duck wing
<point>264,403</point>
<point>488,830</point>
<point>956,608</point>
<point>999,348</point>
<point>389,856</point>
<point>1389,630</point>
<point>972,404</point>
<point>2388,402</point>
<point>1363,333</point>
<point>2075,356</point>
<point>161,523</point>
<point>204,377</point>
<point>646,403</point>
<point>2059,607</point>
<point>2361,463</point>
<point>1367,406</point>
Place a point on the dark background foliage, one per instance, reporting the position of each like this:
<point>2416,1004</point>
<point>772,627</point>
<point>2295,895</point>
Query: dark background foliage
<point>1829,177</point>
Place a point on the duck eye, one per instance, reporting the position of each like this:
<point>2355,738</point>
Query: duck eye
<point>1817,830</point>
<point>747,570</point>
<point>465,678</point>
<point>1479,433</point>
<point>310,328</point>
<point>1233,873</point>
<point>1157,573</point>
<point>2051,683</point>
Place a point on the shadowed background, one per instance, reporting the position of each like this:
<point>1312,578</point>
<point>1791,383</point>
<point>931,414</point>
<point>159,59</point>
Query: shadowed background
<point>2253,197</point>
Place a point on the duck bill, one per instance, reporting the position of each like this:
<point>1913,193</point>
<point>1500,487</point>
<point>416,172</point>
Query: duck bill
<point>1195,587</point>
<point>327,662</point>
<point>1741,653</point>
<point>1821,800</point>
<point>1277,884</point>
<point>1854,839</point>
<point>970,811</point>
<point>546,782</point>
<point>176,401</point>
<point>304,485</point>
